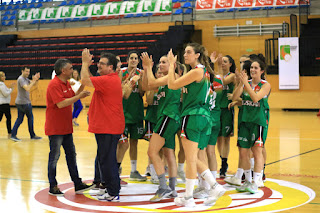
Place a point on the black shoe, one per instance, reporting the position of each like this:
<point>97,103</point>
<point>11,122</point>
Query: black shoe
<point>55,191</point>
<point>83,187</point>
<point>222,174</point>
<point>97,185</point>
<point>36,138</point>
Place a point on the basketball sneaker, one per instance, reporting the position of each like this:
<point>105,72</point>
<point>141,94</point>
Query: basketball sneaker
<point>200,193</point>
<point>110,198</point>
<point>182,201</point>
<point>135,176</point>
<point>233,180</point>
<point>252,188</point>
<point>243,187</point>
<point>160,194</point>
<point>215,193</point>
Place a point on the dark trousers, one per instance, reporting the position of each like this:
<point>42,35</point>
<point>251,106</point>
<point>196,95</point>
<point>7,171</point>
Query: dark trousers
<point>5,109</point>
<point>24,109</point>
<point>66,141</point>
<point>107,162</point>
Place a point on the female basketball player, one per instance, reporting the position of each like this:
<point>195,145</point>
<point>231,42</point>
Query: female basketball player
<point>195,128</point>
<point>254,120</point>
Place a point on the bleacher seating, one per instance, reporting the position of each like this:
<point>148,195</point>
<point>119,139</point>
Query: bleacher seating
<point>188,11</point>
<point>232,9</point>
<point>40,54</point>
<point>244,9</point>
<point>256,8</point>
<point>186,5</point>
<point>221,10</point>
<point>178,12</point>
<point>176,5</point>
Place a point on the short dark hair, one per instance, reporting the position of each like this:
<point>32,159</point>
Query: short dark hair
<point>112,60</point>
<point>60,64</point>
<point>25,67</point>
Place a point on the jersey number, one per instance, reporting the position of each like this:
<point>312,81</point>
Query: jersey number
<point>212,101</point>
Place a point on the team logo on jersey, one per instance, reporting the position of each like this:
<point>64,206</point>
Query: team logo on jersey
<point>258,142</point>
<point>276,195</point>
<point>148,135</point>
<point>250,103</point>
<point>160,95</point>
<point>183,134</point>
<point>123,139</point>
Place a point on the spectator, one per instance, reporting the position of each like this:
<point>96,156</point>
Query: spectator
<point>5,97</point>
<point>23,103</point>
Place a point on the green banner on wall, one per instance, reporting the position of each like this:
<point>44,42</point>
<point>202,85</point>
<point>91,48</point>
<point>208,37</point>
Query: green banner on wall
<point>96,10</point>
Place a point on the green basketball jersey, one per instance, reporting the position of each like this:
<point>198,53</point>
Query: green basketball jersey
<point>216,89</point>
<point>228,88</point>
<point>169,102</point>
<point>196,96</point>
<point>133,106</point>
<point>152,110</point>
<point>255,112</point>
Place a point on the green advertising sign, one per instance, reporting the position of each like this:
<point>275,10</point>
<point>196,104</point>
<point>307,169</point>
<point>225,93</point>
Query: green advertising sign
<point>94,10</point>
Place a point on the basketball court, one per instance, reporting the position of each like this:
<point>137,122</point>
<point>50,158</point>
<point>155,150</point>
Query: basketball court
<point>292,170</point>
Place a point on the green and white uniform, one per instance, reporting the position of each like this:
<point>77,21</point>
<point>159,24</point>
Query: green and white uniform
<point>168,115</point>
<point>133,110</point>
<point>216,89</point>
<point>196,120</point>
<point>254,120</point>
<point>151,118</point>
<point>226,117</point>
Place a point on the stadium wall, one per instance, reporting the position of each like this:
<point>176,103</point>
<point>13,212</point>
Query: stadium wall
<point>308,97</point>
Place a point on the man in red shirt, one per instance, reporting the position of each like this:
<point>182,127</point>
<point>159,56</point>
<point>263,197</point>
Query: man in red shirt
<point>106,118</point>
<point>58,126</point>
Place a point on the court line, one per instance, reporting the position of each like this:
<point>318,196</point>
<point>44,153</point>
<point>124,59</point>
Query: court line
<point>39,181</point>
<point>292,156</point>
<point>90,137</point>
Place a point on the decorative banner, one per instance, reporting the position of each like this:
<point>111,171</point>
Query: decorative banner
<point>285,2</point>
<point>262,3</point>
<point>289,63</point>
<point>204,4</point>
<point>95,10</point>
<point>223,4</point>
<point>243,3</point>
<point>227,4</point>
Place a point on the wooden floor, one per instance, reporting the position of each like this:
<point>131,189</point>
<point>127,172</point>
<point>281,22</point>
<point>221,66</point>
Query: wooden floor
<point>293,148</point>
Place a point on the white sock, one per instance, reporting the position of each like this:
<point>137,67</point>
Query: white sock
<point>257,176</point>
<point>239,173</point>
<point>252,163</point>
<point>207,175</point>
<point>189,187</point>
<point>133,165</point>
<point>202,183</point>
<point>153,171</point>
<point>214,173</point>
<point>180,166</point>
<point>248,175</point>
